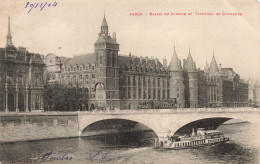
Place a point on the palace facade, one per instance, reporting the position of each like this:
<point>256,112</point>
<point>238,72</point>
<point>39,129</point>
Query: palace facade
<point>106,79</point>
<point>21,78</point>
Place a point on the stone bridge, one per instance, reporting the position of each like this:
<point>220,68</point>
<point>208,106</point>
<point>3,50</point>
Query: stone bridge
<point>173,121</point>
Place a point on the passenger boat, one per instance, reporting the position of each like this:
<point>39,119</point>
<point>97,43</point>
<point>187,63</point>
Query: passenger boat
<point>200,138</point>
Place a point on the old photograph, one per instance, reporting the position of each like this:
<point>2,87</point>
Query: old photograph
<point>109,81</point>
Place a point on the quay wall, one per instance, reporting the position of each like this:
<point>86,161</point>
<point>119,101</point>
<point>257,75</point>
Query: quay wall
<point>36,126</point>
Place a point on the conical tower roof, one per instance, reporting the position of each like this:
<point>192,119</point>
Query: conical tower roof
<point>175,62</point>
<point>189,58</point>
<point>189,63</point>
<point>213,68</point>
<point>104,22</point>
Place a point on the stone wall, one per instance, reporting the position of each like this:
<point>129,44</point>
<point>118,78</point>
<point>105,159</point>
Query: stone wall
<point>21,127</point>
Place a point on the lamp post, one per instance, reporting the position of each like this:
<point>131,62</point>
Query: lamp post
<point>175,102</point>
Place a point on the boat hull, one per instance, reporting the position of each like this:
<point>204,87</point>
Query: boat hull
<point>192,146</point>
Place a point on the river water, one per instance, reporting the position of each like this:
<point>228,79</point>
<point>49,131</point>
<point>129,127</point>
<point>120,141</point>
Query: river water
<point>134,148</point>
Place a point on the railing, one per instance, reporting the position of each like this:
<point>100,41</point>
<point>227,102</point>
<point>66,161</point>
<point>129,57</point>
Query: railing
<point>179,110</point>
<point>138,111</point>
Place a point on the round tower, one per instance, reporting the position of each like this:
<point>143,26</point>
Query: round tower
<point>177,89</point>
<point>192,82</point>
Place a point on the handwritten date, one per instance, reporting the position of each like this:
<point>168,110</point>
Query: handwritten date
<point>40,6</point>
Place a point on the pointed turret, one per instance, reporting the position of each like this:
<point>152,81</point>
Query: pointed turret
<point>189,64</point>
<point>9,36</point>
<point>191,82</point>
<point>177,90</point>
<point>104,26</point>
<point>175,63</point>
<point>189,58</point>
<point>213,69</point>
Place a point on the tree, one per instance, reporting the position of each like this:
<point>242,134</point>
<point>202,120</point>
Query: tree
<point>57,98</point>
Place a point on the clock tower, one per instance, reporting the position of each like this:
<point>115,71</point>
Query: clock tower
<point>106,52</point>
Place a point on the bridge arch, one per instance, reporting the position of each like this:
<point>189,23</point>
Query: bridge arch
<point>114,125</point>
<point>208,123</point>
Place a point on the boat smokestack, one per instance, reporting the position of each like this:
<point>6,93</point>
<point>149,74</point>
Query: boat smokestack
<point>193,132</point>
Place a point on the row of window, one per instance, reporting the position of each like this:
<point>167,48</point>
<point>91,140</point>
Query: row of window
<point>75,79</point>
<point>146,69</point>
<point>149,82</point>
<point>213,95</point>
<point>37,80</point>
<point>147,94</point>
<point>206,78</point>
<point>79,68</point>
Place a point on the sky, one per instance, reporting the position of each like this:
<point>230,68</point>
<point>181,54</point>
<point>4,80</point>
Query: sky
<point>74,25</point>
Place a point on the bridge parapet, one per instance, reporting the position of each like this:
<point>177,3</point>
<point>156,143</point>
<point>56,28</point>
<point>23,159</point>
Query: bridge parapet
<point>179,110</point>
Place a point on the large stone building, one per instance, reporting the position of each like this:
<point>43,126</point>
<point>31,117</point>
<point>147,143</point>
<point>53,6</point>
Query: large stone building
<point>21,78</point>
<point>107,80</point>
<point>104,79</point>
<point>212,87</point>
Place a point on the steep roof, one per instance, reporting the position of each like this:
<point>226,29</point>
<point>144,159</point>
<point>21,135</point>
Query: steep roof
<point>124,60</point>
<point>189,64</point>
<point>213,68</point>
<point>82,59</point>
<point>64,60</point>
<point>104,22</point>
<point>189,58</point>
<point>105,39</point>
<point>175,62</point>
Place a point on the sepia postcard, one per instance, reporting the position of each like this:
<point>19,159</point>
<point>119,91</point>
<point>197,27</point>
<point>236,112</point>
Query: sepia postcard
<point>131,81</point>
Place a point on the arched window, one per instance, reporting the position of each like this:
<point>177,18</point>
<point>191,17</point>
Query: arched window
<point>149,94</point>
<point>139,93</point>
<point>129,93</point>
<point>100,59</point>
<point>129,81</point>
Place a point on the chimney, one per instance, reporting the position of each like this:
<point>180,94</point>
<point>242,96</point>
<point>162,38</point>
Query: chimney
<point>146,60</point>
<point>156,61</point>
<point>130,54</point>
<point>219,68</point>
<point>165,62</point>
<point>141,59</point>
<point>114,36</point>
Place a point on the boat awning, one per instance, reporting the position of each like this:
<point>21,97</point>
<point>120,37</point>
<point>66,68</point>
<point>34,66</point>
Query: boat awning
<point>212,131</point>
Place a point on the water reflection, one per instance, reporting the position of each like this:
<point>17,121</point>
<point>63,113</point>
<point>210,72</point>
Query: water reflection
<point>130,139</point>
